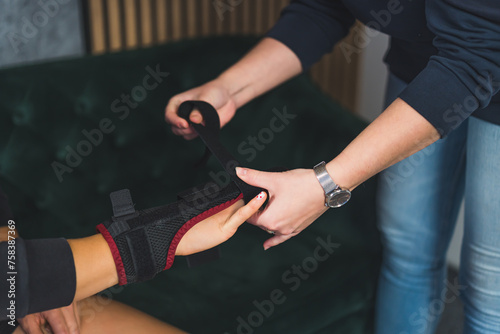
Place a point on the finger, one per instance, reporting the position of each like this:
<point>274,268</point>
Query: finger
<point>190,136</point>
<point>246,211</point>
<point>176,121</point>
<point>171,115</point>
<point>57,321</point>
<point>183,132</point>
<point>47,330</point>
<point>76,311</point>
<point>196,117</point>
<point>276,240</point>
<point>32,324</point>
<point>71,319</point>
<point>256,178</point>
<point>254,220</point>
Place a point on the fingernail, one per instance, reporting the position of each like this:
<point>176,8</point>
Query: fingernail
<point>261,195</point>
<point>241,171</point>
<point>266,248</point>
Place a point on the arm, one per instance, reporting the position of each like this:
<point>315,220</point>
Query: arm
<point>95,267</point>
<point>397,133</point>
<point>466,71</point>
<point>306,31</point>
<point>267,65</point>
<point>93,264</point>
<point>465,74</point>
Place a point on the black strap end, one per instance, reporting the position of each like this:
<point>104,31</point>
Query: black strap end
<point>121,201</point>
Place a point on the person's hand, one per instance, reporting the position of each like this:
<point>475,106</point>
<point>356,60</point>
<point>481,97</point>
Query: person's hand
<point>212,92</point>
<point>219,227</point>
<point>63,320</point>
<point>296,199</point>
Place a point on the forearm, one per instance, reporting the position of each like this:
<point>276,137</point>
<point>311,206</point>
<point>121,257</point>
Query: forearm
<point>266,66</point>
<point>94,265</point>
<point>396,134</point>
<point>298,198</point>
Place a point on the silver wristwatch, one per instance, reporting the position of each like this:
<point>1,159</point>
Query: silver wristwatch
<point>334,196</point>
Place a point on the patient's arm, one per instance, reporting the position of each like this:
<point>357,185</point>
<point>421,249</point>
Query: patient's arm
<point>96,271</point>
<point>95,267</point>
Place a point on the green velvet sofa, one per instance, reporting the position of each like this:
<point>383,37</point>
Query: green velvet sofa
<point>72,131</point>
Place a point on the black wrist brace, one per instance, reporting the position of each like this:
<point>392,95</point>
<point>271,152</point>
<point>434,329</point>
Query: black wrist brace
<point>143,243</point>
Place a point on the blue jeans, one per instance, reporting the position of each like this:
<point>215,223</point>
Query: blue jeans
<point>418,203</point>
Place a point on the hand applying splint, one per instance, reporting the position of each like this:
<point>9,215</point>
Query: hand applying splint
<point>296,200</point>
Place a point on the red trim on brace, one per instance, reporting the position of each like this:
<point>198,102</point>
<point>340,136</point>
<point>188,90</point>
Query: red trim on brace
<point>192,222</point>
<point>122,277</point>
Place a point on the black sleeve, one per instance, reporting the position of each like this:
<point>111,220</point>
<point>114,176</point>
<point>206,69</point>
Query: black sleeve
<point>6,328</point>
<point>311,28</point>
<point>465,74</point>
<point>41,276</point>
<point>35,275</point>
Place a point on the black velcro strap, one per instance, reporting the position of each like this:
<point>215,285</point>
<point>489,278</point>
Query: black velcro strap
<point>122,203</point>
<point>142,256</point>
<point>209,133</point>
<point>118,227</point>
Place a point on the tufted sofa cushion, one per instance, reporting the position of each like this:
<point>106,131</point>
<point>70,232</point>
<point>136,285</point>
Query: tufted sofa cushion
<point>72,131</point>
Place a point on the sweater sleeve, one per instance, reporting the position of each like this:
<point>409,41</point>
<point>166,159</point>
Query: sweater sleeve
<point>35,275</point>
<point>465,74</point>
<point>40,276</point>
<point>311,28</point>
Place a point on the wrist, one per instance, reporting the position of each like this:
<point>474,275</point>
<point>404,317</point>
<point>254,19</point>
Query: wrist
<point>341,175</point>
<point>335,196</point>
<point>238,90</point>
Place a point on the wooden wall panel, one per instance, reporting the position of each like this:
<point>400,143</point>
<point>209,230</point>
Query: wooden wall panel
<point>147,20</point>
<point>131,24</point>
<point>161,21</point>
<point>97,31</point>
<point>127,24</point>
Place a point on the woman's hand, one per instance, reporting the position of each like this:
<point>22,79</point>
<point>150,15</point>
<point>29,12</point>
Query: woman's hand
<point>267,65</point>
<point>219,227</point>
<point>296,199</point>
<point>58,321</point>
<point>213,92</point>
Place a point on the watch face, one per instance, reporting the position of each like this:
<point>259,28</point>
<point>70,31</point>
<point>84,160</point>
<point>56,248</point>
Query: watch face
<point>339,198</point>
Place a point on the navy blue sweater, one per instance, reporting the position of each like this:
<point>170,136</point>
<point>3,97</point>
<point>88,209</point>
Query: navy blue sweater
<point>447,50</point>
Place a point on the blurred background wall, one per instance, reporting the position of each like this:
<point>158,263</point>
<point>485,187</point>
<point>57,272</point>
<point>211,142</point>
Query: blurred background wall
<point>32,31</point>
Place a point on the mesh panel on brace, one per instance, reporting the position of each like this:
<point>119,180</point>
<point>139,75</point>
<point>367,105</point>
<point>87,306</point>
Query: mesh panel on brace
<point>162,223</point>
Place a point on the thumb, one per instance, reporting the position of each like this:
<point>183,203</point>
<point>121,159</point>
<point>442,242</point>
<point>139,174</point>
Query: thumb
<point>196,117</point>
<point>245,212</point>
<point>56,321</point>
<point>255,178</point>
<point>171,115</point>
